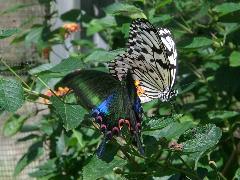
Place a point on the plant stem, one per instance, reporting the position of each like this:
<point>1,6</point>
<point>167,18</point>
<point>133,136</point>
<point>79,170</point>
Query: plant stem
<point>35,93</point>
<point>183,161</point>
<point>184,27</point>
<point>129,157</point>
<point>10,69</point>
<point>46,86</point>
<point>186,172</point>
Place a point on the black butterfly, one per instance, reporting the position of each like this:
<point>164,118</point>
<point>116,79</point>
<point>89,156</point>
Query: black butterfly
<point>112,103</point>
<point>151,58</point>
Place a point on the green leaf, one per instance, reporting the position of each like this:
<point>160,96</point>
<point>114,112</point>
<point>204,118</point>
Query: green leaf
<point>64,67</point>
<point>72,115</point>
<point>237,174</point>
<point>199,42</point>
<point>47,126</point>
<point>97,25</point>
<point>49,167</point>
<point>97,168</point>
<point>226,8</point>
<point>222,114</point>
<point>230,27</point>
<point>13,125</point>
<point>34,36</point>
<point>124,10</point>
<point>41,68</point>
<point>31,137</point>
<point>60,144</point>
<point>83,43</point>
<point>79,137</point>
<point>201,139</point>
<point>72,15</point>
<point>4,33</point>
<point>234,59</point>
<point>125,29</point>
<point>161,19</point>
<point>159,123</point>
<point>103,56</point>
<point>163,3</point>
<point>172,131</point>
<point>67,65</point>
<point>11,94</point>
<point>34,151</point>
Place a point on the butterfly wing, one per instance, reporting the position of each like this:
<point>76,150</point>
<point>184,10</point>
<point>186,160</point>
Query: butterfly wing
<point>90,86</point>
<point>151,61</point>
<point>170,48</point>
<point>112,103</point>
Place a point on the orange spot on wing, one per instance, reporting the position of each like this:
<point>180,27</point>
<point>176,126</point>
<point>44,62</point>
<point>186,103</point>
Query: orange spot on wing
<point>140,90</point>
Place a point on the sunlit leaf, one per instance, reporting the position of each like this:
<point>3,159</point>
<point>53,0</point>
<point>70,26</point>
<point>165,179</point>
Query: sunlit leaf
<point>222,114</point>
<point>201,139</point>
<point>226,8</point>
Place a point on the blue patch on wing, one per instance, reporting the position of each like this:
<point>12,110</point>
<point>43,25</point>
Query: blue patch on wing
<point>137,106</point>
<point>103,107</point>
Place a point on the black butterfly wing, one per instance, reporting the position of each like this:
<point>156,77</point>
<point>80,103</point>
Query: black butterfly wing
<point>148,59</point>
<point>90,86</point>
<point>112,103</point>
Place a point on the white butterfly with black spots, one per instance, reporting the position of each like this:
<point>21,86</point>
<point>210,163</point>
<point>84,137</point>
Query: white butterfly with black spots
<point>151,58</point>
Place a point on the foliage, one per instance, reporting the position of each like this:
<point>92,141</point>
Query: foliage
<point>196,136</point>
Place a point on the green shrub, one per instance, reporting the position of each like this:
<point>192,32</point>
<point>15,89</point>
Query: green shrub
<point>195,136</point>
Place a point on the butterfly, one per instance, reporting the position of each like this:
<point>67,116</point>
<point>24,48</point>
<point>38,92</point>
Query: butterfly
<point>112,103</point>
<point>151,57</point>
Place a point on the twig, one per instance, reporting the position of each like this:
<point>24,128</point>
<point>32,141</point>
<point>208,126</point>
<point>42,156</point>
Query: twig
<point>46,86</point>
<point>10,69</point>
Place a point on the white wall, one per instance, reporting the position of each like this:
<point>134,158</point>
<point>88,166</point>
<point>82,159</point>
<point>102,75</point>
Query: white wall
<point>62,6</point>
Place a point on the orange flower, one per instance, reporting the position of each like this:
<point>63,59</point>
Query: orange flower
<point>71,28</point>
<point>60,92</point>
